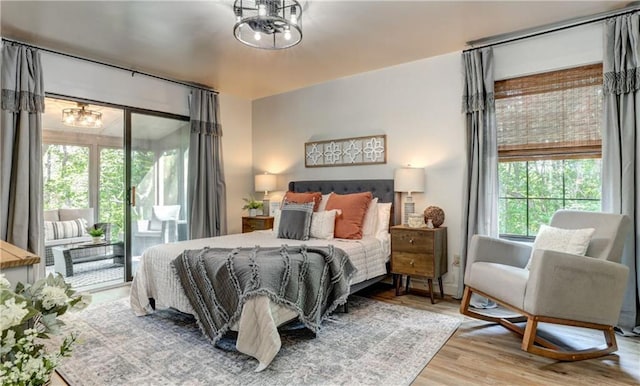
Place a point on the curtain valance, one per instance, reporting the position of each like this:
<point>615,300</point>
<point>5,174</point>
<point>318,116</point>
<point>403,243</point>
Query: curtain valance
<point>622,48</point>
<point>22,81</point>
<point>205,114</point>
<point>478,87</point>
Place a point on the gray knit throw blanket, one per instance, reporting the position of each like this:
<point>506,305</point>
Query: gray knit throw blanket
<point>309,280</point>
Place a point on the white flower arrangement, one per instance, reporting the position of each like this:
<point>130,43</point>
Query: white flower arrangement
<point>27,316</point>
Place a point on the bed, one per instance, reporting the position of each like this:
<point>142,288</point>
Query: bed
<point>156,284</point>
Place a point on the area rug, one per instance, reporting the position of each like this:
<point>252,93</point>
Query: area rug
<point>93,272</point>
<point>375,343</point>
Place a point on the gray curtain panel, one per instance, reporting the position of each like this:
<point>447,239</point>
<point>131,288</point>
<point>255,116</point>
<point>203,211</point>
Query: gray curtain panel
<point>21,221</point>
<point>621,146</point>
<point>206,192</point>
<point>480,200</point>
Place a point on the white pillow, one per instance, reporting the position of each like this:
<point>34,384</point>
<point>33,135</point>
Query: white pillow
<point>370,219</point>
<point>323,202</point>
<point>55,230</point>
<point>276,221</point>
<point>384,216</point>
<point>574,241</point>
<point>323,224</point>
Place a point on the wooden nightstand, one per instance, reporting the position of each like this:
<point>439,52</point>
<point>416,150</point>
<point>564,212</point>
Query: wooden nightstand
<point>418,252</point>
<point>257,223</point>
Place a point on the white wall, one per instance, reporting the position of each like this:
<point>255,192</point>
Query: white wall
<point>77,78</point>
<point>553,51</point>
<point>235,115</point>
<point>417,105</point>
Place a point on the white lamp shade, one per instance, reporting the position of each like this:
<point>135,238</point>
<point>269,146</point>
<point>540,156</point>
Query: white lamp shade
<point>265,182</point>
<point>409,180</point>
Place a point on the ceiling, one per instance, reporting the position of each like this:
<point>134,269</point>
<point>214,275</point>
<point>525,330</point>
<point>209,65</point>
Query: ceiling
<point>192,41</point>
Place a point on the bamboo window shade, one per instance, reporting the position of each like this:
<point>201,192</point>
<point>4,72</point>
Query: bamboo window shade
<point>552,115</point>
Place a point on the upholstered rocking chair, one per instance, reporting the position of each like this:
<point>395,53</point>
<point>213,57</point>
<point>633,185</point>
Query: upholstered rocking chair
<point>555,287</point>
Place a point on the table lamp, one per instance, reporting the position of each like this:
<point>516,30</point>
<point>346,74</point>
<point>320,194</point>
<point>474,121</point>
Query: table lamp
<point>265,183</point>
<point>408,180</point>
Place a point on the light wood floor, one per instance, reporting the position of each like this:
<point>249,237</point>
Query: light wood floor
<point>480,353</point>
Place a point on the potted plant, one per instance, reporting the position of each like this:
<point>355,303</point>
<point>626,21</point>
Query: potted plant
<point>29,315</point>
<point>96,233</point>
<point>252,205</point>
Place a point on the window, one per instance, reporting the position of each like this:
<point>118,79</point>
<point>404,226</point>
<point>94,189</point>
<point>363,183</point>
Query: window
<point>549,146</point>
<point>65,176</point>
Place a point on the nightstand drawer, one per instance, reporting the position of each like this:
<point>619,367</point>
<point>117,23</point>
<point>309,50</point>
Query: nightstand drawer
<point>412,264</point>
<point>411,241</point>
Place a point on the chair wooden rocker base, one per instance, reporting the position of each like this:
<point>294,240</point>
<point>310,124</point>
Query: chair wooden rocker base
<point>533,343</point>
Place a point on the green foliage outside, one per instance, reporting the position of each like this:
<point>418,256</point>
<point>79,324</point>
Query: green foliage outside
<point>66,182</point>
<point>531,191</point>
<point>65,176</point>
<point>112,192</point>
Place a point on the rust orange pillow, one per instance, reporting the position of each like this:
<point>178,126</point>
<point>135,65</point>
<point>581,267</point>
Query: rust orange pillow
<point>354,206</point>
<point>303,198</point>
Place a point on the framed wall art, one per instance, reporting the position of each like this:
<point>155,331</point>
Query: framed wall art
<point>347,151</point>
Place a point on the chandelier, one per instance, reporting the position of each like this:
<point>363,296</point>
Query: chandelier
<point>268,24</point>
<point>81,117</point>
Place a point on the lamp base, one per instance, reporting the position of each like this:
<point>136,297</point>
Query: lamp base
<point>265,207</point>
<point>409,208</point>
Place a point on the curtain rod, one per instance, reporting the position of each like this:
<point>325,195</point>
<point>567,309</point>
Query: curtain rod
<point>133,72</point>
<point>553,27</point>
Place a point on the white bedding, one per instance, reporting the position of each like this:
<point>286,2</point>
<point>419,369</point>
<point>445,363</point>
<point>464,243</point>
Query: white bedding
<point>155,278</point>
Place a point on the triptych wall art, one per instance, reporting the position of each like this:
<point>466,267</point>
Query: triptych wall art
<point>347,151</point>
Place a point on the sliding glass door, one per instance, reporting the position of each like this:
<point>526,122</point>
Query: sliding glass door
<point>158,175</point>
<point>83,191</point>
<point>125,175</point>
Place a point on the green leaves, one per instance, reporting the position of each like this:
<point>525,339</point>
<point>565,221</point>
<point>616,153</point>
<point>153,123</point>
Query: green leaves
<point>252,203</point>
<point>531,191</point>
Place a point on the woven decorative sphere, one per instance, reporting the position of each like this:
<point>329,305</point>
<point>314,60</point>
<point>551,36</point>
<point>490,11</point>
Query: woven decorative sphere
<point>435,214</point>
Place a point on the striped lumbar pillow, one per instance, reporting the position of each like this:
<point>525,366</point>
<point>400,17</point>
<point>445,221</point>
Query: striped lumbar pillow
<point>54,230</point>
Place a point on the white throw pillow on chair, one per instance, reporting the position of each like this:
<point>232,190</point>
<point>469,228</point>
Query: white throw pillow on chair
<point>574,241</point>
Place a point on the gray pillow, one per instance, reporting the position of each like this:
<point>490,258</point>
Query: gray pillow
<point>295,221</point>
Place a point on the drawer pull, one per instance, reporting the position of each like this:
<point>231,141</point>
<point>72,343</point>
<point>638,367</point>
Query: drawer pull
<point>412,263</point>
<point>410,241</point>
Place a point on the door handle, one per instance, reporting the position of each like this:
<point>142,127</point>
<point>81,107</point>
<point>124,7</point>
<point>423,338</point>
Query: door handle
<point>133,196</point>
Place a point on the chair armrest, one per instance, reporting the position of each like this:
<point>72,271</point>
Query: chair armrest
<point>567,286</point>
<point>493,250</point>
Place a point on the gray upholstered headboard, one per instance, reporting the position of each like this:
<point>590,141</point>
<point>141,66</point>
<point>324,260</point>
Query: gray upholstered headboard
<point>383,189</point>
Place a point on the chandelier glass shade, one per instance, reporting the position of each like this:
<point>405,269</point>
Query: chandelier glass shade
<point>81,117</point>
<point>268,24</point>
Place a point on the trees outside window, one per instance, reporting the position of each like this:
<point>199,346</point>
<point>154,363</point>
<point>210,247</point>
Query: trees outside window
<point>111,186</point>
<point>531,191</point>
<point>65,176</point>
